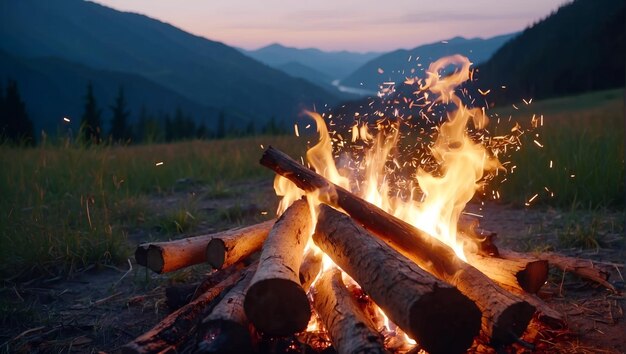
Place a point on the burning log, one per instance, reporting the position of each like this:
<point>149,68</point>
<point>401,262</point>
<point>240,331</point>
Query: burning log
<point>483,241</point>
<point>275,302</point>
<point>310,268</point>
<point>229,247</point>
<point>584,268</point>
<point>350,330</point>
<point>505,316</point>
<point>432,312</point>
<point>177,327</point>
<point>513,269</point>
<point>226,328</point>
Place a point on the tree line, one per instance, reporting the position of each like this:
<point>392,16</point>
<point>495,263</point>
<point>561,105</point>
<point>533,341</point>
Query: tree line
<point>16,127</point>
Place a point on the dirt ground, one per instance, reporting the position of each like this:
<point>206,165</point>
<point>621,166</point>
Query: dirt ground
<point>102,309</point>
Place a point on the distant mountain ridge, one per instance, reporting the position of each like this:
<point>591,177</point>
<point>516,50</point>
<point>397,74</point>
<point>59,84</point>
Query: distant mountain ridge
<point>397,65</point>
<point>335,65</point>
<point>208,73</point>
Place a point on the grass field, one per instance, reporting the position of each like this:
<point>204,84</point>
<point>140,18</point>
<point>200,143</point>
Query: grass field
<point>64,208</point>
<point>578,157</point>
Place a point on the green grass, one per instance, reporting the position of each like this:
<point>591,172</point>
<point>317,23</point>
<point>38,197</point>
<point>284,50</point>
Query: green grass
<point>583,140</point>
<point>66,207</point>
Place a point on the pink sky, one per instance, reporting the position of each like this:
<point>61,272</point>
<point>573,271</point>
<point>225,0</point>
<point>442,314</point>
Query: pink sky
<point>341,24</point>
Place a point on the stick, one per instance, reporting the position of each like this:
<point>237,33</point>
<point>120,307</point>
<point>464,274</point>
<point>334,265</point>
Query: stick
<point>432,312</point>
<point>178,326</point>
<point>230,247</point>
<point>275,302</point>
<point>584,268</point>
<point>226,328</point>
<point>178,296</point>
<point>349,328</point>
<point>504,314</point>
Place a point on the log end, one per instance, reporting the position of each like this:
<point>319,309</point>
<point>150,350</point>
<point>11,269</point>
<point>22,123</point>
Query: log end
<point>512,322</point>
<point>154,259</point>
<point>216,253</point>
<point>532,278</point>
<point>224,337</point>
<point>444,321</point>
<point>141,256</point>
<point>277,307</point>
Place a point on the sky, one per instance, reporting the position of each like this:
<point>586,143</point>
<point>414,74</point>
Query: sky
<point>354,25</point>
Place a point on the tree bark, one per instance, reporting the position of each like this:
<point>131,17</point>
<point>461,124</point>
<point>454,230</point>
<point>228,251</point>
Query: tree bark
<point>231,246</point>
<point>226,329</point>
<point>513,269</point>
<point>141,254</point>
<point>505,315</point>
<point>584,268</point>
<point>430,311</point>
<point>275,302</point>
<point>349,329</point>
<point>177,327</point>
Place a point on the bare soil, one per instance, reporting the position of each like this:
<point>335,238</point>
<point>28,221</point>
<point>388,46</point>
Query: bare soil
<point>101,309</point>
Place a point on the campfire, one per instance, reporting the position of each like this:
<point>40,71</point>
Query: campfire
<point>361,265</point>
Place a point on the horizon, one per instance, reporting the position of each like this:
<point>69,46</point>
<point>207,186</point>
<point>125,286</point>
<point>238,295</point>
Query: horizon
<point>369,27</point>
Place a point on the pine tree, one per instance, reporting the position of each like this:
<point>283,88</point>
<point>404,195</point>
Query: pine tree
<point>90,122</point>
<point>14,122</point>
<point>120,130</point>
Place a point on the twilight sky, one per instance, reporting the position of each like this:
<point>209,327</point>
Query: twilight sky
<point>355,25</point>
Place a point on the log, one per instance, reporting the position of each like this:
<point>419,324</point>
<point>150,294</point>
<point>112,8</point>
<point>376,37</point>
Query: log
<point>310,268</point>
<point>163,257</point>
<point>430,311</point>
<point>178,296</point>
<point>505,315</point>
<point>584,268</point>
<point>275,302</point>
<point>178,326</point>
<point>226,329</point>
<point>545,313</point>
<point>232,246</point>
<point>350,330</point>
<point>141,254</point>
<point>513,269</point>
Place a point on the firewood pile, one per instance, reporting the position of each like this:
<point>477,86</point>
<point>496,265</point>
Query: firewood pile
<point>267,289</point>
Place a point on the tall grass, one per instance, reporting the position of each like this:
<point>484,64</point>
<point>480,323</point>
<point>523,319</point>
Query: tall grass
<point>580,162</point>
<point>62,206</point>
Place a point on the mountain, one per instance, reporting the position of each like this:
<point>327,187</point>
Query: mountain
<point>206,72</point>
<point>397,65</point>
<point>580,47</point>
<point>54,88</point>
<point>295,69</point>
<point>335,65</point>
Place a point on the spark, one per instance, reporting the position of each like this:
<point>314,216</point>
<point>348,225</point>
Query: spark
<point>380,70</point>
<point>550,163</point>
<point>295,128</point>
<point>537,143</point>
<point>484,93</point>
<point>264,213</point>
<point>572,176</point>
<point>262,147</point>
<point>159,163</point>
<point>66,119</point>
<point>514,106</point>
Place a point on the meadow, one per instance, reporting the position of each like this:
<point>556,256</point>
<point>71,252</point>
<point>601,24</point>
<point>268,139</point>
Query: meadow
<point>66,207</point>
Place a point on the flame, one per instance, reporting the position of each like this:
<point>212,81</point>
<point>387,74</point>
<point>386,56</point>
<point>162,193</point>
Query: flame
<point>460,162</point>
